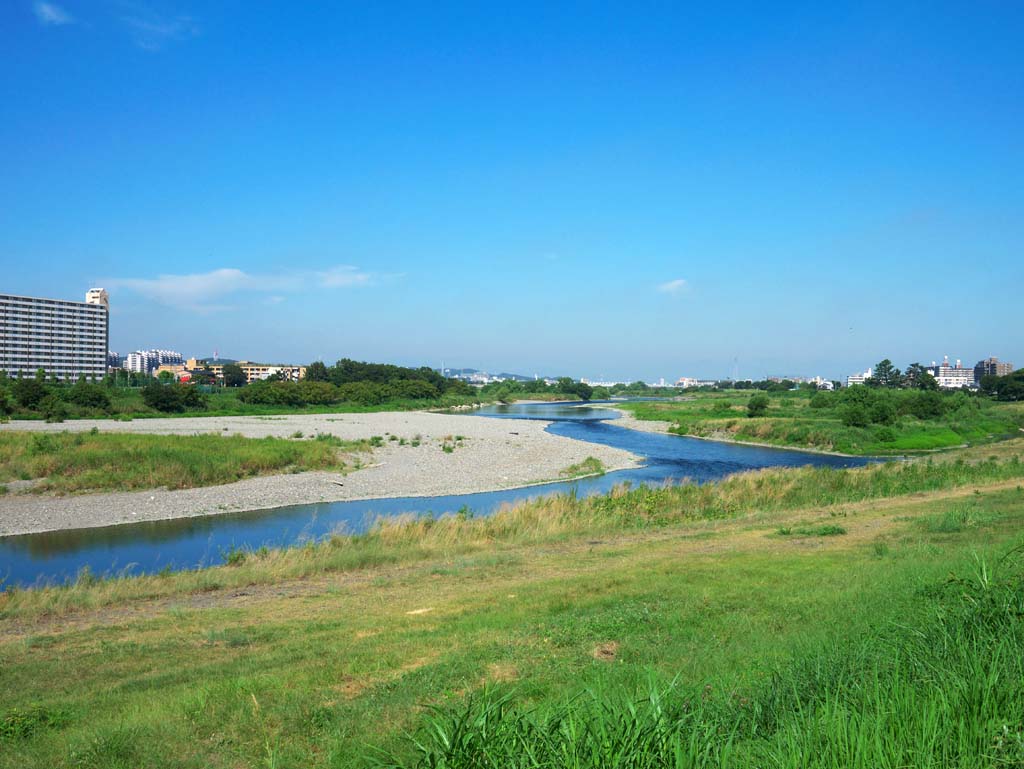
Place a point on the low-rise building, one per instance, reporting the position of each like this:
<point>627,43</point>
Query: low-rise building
<point>177,370</point>
<point>859,379</point>
<point>689,381</point>
<point>254,372</point>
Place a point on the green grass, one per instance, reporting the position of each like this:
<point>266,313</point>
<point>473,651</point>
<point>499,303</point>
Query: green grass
<point>410,539</point>
<point>76,462</point>
<point>790,421</point>
<point>944,687</point>
<point>738,650</point>
<point>589,466</point>
<point>825,530</point>
<point>607,631</point>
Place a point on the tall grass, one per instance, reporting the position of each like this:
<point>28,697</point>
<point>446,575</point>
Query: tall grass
<point>94,461</point>
<point>791,421</point>
<point>415,538</point>
<point>943,689</point>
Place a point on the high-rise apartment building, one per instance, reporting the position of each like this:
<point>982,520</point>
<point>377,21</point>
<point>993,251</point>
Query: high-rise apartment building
<point>64,338</point>
<point>950,377</point>
<point>992,367</point>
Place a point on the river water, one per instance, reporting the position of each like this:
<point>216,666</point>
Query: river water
<point>188,543</point>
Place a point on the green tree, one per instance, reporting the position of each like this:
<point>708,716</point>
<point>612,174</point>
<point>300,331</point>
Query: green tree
<point>886,375</point>
<point>504,393</point>
<point>165,377</point>
<point>172,397</point>
<point>90,396</point>
<point>584,391</point>
<point>757,406</point>
<point>233,375</point>
<point>855,415</point>
<point>317,372</point>
<point>28,393</point>
<point>917,377</point>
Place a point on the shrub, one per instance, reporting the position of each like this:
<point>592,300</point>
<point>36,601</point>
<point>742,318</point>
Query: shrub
<point>757,406</point>
<point>885,435</point>
<point>855,415</point>
<point>90,396</point>
<point>174,397</point>
<point>53,409</point>
<point>822,400</point>
<point>29,393</point>
<point>882,412</point>
<point>926,404</point>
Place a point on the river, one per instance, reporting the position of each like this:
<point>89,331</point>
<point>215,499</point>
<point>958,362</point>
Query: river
<point>188,543</point>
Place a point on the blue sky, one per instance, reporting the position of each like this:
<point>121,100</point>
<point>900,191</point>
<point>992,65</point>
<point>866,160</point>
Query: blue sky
<point>626,190</point>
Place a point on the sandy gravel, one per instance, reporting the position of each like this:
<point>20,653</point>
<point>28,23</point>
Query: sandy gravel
<point>626,419</point>
<point>495,454</point>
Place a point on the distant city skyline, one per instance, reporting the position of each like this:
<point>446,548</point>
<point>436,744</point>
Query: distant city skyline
<point>639,191</point>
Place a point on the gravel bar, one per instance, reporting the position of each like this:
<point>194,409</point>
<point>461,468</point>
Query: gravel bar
<point>495,454</point>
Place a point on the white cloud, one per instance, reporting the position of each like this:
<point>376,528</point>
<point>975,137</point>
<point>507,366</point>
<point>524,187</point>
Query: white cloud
<point>51,14</point>
<point>673,286</point>
<point>343,275</point>
<point>198,291</point>
<point>152,32</point>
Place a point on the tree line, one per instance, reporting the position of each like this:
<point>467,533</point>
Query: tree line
<point>347,381</point>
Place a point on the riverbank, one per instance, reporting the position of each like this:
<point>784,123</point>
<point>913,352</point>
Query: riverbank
<point>420,454</point>
<point>310,655</point>
<point>660,427</point>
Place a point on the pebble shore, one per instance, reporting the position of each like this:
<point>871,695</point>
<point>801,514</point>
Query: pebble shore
<point>494,454</point>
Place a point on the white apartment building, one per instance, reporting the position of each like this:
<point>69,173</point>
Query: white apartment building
<point>146,361</point>
<point>951,377</point>
<point>66,339</point>
<point>858,379</point>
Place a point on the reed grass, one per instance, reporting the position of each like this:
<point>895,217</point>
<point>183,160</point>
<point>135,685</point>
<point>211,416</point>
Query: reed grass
<point>411,538</point>
<point>652,649</point>
<point>75,462</point>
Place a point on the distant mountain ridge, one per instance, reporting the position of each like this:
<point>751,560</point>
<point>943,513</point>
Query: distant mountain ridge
<point>470,371</point>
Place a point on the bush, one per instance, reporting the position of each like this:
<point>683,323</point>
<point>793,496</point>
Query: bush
<point>822,400</point>
<point>90,396</point>
<point>886,435</point>
<point>926,404</point>
<point>172,398</point>
<point>882,412</point>
<point>317,392</point>
<point>53,409</point>
<point>757,406</point>
<point>855,415</point>
<point>29,393</point>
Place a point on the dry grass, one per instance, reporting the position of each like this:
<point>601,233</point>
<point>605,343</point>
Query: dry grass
<point>409,540</point>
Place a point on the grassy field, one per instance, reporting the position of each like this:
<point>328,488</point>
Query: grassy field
<point>78,462</point>
<point>791,421</point>
<point>783,618</point>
